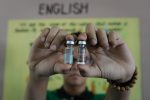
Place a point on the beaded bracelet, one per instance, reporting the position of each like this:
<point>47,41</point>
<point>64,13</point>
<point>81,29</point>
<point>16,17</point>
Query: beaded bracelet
<point>124,86</point>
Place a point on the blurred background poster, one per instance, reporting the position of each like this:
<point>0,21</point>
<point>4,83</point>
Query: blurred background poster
<point>22,33</point>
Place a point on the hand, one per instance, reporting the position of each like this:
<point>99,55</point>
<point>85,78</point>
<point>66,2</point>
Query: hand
<point>46,56</point>
<point>111,57</point>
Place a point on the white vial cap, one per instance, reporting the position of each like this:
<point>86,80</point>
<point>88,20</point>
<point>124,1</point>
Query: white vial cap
<point>81,63</point>
<point>82,42</point>
<point>69,42</point>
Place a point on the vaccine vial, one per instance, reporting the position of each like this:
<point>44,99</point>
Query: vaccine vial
<point>68,57</point>
<point>81,52</point>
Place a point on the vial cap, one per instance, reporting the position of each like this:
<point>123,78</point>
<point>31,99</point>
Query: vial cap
<point>82,42</point>
<point>69,42</point>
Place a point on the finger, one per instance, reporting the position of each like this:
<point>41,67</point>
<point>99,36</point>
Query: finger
<point>39,41</point>
<point>53,32</point>
<point>83,70</point>
<point>63,43</point>
<point>102,39</point>
<point>58,40</point>
<point>44,34</point>
<point>91,34</point>
<point>61,68</point>
<point>69,37</point>
<point>89,71</point>
<point>40,54</point>
<point>82,37</point>
<point>37,56</point>
<point>114,39</point>
<point>75,36</point>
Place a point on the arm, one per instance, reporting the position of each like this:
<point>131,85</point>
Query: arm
<point>114,94</point>
<point>120,91</point>
<point>36,88</point>
<point>112,60</point>
<point>45,59</point>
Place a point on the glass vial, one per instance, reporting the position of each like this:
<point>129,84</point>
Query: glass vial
<point>69,52</point>
<point>81,52</point>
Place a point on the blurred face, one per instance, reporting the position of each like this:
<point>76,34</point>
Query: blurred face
<point>73,77</point>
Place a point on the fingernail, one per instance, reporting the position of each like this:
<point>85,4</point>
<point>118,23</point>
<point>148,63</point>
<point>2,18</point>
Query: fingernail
<point>94,42</point>
<point>47,44</point>
<point>53,47</point>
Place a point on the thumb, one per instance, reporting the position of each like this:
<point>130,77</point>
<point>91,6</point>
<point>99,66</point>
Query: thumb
<point>61,68</point>
<point>89,70</point>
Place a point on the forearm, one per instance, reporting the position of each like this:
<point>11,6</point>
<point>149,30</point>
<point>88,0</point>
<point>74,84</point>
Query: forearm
<point>114,94</point>
<point>36,88</point>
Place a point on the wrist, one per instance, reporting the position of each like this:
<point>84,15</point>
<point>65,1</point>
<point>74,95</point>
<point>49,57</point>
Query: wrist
<point>36,78</point>
<point>124,85</point>
<point>36,88</point>
<point>129,74</point>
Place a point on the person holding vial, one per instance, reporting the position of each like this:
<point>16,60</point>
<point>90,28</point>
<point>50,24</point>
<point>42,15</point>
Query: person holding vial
<point>106,56</point>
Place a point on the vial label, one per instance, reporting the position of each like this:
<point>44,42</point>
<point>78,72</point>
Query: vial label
<point>68,55</point>
<point>81,56</point>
